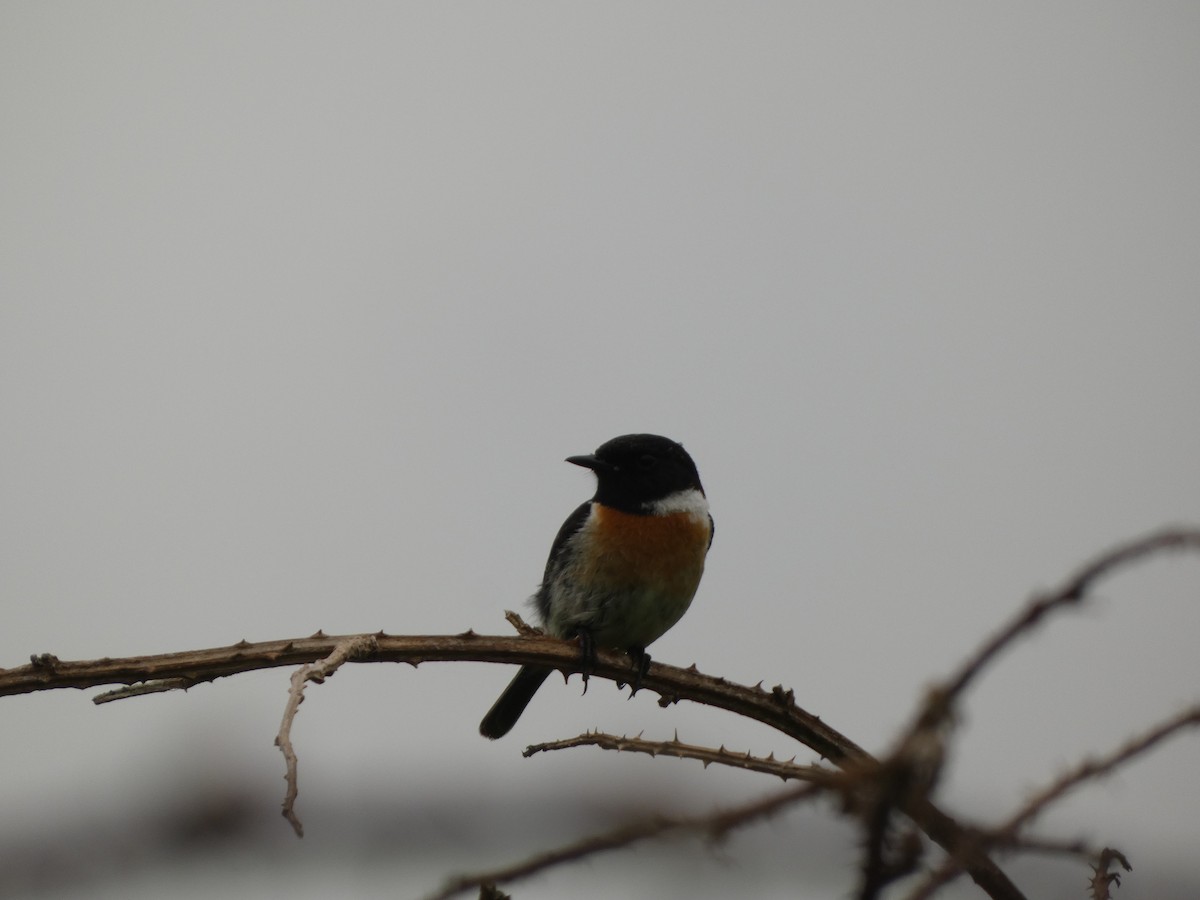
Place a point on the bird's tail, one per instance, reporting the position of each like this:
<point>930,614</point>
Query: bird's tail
<point>504,712</point>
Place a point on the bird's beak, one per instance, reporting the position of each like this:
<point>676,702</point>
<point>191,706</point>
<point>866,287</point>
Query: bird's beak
<point>591,462</point>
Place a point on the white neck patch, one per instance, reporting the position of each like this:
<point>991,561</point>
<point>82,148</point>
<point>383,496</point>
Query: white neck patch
<point>690,501</point>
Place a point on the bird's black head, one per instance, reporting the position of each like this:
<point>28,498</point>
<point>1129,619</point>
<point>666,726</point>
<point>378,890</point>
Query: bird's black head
<point>634,470</point>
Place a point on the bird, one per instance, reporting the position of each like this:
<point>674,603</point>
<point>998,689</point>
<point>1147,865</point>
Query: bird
<point>625,565</point>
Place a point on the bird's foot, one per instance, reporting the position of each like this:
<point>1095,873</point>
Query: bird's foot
<point>587,655</point>
<point>641,665</point>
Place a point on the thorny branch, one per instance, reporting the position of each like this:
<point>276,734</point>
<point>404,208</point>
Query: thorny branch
<point>775,708</point>
<point>769,765</point>
<point>1102,879</point>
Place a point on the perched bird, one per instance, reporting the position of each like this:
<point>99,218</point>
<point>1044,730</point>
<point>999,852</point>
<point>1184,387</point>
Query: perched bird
<point>624,566</point>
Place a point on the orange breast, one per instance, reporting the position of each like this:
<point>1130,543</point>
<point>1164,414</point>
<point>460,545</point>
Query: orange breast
<point>666,550</point>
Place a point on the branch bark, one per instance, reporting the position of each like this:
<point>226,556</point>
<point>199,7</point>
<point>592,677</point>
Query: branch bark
<point>186,669</point>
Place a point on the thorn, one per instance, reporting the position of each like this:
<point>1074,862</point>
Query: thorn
<point>243,643</point>
<point>318,635</point>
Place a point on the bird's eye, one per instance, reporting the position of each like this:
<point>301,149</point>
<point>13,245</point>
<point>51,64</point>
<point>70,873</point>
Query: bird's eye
<point>647,462</point>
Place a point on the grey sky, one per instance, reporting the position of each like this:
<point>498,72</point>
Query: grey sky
<point>302,305</point>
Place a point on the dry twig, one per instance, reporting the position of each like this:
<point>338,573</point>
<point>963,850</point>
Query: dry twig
<point>348,649</point>
<point>1073,591</point>
<point>1092,769</point>
<point>141,689</point>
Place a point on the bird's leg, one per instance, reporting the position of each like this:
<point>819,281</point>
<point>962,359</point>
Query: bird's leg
<point>587,654</point>
<point>641,665</point>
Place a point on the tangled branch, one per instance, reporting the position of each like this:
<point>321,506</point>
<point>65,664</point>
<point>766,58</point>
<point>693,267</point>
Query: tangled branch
<point>901,781</point>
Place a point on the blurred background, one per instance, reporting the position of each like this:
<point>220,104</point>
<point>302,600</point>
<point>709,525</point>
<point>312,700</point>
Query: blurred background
<point>302,306</point>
